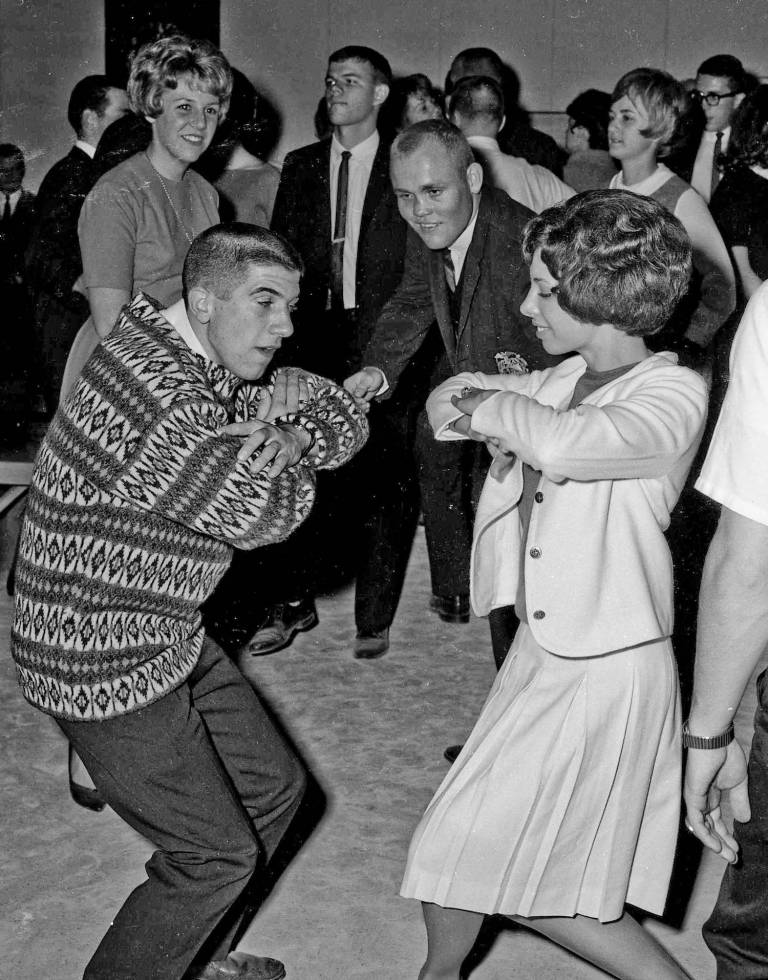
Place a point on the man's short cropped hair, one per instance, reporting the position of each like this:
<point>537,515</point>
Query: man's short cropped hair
<point>476,61</point>
<point>439,131</point>
<point>618,258</point>
<point>725,66</point>
<point>91,92</point>
<point>219,258</point>
<point>478,97</point>
<point>159,65</point>
<point>382,73</point>
<point>12,156</point>
<point>662,97</point>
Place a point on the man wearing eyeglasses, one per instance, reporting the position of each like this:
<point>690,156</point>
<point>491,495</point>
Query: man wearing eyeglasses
<point>720,87</point>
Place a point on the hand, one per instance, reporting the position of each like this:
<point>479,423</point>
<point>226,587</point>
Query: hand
<point>467,402</point>
<point>709,773</point>
<point>472,398</point>
<point>290,392</point>
<point>277,446</point>
<point>365,383</point>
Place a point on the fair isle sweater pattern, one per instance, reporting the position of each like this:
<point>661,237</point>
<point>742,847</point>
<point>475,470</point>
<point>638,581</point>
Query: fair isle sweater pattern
<point>135,506</point>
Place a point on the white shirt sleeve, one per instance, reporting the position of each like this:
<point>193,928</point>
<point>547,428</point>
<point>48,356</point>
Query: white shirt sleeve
<point>735,472</point>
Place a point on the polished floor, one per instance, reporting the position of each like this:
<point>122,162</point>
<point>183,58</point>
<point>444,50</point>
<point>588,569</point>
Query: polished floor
<point>372,734</point>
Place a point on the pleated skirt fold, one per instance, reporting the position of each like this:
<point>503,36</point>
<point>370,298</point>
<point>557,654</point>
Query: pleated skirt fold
<point>566,797</point>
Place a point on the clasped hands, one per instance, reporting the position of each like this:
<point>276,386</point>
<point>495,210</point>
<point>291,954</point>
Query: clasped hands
<point>467,401</point>
<point>269,446</point>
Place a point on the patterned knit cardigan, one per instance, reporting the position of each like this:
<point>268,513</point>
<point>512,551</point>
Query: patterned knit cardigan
<point>136,504</point>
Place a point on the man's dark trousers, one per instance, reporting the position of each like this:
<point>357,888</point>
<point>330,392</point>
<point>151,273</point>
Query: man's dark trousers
<point>203,774</point>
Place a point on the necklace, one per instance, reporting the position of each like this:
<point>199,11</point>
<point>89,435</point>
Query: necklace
<point>180,220</point>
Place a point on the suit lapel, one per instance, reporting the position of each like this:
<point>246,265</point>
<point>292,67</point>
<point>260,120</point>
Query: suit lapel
<point>439,289</point>
<point>472,263</point>
<point>322,168</point>
<point>378,185</point>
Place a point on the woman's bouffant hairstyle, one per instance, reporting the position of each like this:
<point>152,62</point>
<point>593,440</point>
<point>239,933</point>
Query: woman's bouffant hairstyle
<point>618,258</point>
<point>748,145</point>
<point>662,97</point>
<point>220,257</point>
<point>159,65</point>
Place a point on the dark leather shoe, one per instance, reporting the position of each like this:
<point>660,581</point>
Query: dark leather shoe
<point>242,966</point>
<point>451,608</point>
<point>284,622</point>
<point>369,646</point>
<point>451,754</point>
<point>85,796</point>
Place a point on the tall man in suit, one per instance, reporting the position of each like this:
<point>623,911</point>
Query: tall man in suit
<point>335,205</point>
<point>53,258</point>
<point>464,279</point>
<point>17,212</point>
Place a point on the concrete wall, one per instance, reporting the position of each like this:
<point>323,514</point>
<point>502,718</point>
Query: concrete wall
<point>45,47</point>
<point>559,47</point>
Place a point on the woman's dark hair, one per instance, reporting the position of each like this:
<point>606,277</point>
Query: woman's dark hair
<point>748,145</point>
<point>590,110</point>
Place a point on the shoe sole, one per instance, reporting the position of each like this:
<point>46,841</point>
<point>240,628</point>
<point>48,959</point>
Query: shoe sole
<point>300,626</point>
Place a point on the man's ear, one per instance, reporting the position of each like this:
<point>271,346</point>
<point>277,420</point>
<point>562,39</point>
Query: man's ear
<point>89,121</point>
<point>475,177</point>
<point>380,93</point>
<point>200,303</point>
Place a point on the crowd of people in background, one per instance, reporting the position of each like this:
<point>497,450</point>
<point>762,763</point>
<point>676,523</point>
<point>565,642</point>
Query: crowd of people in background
<point>251,365</point>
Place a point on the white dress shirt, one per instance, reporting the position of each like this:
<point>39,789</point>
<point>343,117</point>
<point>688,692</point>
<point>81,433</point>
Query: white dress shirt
<point>701,178</point>
<point>360,165</point>
<point>86,148</point>
<point>460,247</point>
<point>13,199</point>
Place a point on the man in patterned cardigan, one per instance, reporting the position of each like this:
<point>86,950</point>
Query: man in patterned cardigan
<point>168,454</point>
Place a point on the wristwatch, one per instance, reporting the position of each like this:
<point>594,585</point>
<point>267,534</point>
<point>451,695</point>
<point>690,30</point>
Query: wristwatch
<point>702,742</point>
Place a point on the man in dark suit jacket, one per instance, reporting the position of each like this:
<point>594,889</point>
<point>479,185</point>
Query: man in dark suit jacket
<point>465,278</point>
<point>337,310</point>
<point>53,258</point>
<point>304,214</point>
<point>17,212</point>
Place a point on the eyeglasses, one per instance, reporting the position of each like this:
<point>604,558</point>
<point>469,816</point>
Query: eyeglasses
<point>711,98</point>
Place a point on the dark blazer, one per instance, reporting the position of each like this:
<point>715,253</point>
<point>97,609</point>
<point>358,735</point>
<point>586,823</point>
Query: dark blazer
<point>493,283</point>
<point>53,257</point>
<point>302,214</point>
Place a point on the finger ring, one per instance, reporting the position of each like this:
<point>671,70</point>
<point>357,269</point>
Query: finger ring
<point>464,392</point>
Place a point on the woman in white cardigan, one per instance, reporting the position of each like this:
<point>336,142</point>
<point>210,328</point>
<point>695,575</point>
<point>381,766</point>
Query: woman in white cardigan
<point>564,804</point>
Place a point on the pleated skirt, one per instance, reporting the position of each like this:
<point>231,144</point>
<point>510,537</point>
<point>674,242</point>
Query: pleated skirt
<point>566,797</point>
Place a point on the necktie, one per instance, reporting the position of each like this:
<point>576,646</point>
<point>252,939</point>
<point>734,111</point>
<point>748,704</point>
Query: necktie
<point>7,209</point>
<point>450,272</point>
<point>339,233</point>
<point>715,172</point>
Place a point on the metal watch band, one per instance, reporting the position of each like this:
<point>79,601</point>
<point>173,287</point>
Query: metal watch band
<point>702,742</point>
